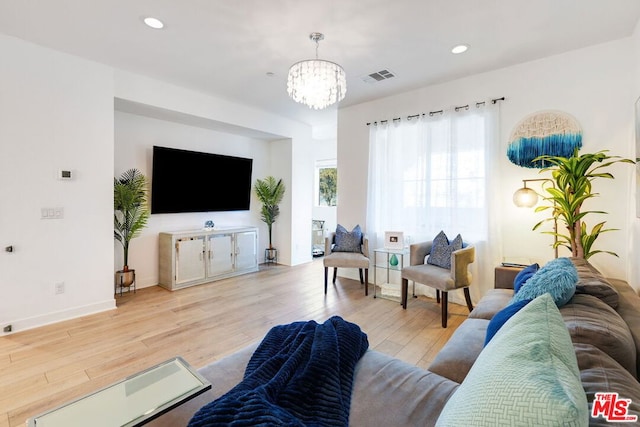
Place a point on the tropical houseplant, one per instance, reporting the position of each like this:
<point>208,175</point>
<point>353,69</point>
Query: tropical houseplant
<point>130,215</point>
<point>270,193</point>
<point>572,178</point>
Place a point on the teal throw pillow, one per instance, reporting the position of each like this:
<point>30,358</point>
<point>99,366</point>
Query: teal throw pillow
<point>348,241</point>
<point>524,275</point>
<point>558,277</point>
<point>441,250</point>
<point>527,375</point>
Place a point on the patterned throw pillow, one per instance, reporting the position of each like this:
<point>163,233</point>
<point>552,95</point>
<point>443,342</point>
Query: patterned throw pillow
<point>441,250</point>
<point>527,375</point>
<point>348,241</point>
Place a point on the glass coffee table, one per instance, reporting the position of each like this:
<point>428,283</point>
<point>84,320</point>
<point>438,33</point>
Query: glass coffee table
<point>134,401</point>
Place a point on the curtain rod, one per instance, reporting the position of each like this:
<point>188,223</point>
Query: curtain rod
<point>433,113</point>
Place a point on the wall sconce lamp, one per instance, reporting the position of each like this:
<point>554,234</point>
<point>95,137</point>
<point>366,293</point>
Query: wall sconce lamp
<point>527,198</point>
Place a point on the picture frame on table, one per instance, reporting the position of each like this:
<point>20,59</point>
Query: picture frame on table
<point>394,240</point>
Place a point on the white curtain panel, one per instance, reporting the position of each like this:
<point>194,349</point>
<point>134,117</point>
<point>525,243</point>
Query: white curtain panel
<point>437,173</point>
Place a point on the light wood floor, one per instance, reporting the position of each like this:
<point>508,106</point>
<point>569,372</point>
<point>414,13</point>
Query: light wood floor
<point>47,366</point>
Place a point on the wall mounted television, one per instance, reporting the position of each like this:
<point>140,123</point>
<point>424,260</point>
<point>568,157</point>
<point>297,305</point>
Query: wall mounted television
<point>191,181</point>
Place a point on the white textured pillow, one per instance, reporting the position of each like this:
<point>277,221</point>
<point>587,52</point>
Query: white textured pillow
<point>527,375</point>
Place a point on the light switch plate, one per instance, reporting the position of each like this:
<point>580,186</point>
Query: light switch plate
<point>52,213</point>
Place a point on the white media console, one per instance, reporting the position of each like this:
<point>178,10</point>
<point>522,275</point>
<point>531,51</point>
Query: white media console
<point>189,258</point>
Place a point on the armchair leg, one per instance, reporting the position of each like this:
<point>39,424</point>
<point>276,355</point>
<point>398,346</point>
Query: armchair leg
<point>366,281</point>
<point>361,280</point>
<point>335,274</point>
<point>444,309</point>
<point>326,273</point>
<point>467,297</point>
<point>404,291</point>
<point>438,296</point>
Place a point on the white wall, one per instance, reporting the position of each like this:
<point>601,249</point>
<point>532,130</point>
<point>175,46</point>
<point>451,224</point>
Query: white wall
<point>56,112</point>
<point>135,137</point>
<point>595,85</point>
<point>281,157</point>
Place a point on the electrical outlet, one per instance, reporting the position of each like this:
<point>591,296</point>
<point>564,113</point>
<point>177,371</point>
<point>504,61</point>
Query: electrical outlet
<point>8,328</point>
<point>59,288</point>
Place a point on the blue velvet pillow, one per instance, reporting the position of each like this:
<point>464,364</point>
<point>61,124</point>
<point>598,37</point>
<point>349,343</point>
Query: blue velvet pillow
<point>441,250</point>
<point>348,241</point>
<point>524,275</point>
<point>501,317</point>
<point>558,277</point>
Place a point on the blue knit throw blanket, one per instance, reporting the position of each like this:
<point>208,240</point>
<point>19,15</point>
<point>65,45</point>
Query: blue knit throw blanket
<point>300,375</point>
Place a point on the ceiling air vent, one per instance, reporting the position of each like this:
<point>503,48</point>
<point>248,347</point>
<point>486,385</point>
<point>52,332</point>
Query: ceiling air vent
<point>378,76</point>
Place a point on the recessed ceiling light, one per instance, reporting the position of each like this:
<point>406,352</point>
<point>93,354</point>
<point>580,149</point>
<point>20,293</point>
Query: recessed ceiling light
<point>153,22</point>
<point>460,48</point>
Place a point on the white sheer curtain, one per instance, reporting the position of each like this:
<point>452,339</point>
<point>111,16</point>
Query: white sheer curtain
<point>436,173</point>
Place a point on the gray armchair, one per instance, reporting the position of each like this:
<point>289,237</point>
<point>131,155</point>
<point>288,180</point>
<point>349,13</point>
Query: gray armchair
<point>359,260</point>
<point>442,279</point>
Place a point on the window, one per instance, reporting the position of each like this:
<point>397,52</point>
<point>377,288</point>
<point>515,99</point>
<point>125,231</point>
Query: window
<point>435,173</point>
<point>430,174</point>
<point>326,183</point>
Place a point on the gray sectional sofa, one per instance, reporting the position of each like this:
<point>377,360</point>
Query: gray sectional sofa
<point>468,379</point>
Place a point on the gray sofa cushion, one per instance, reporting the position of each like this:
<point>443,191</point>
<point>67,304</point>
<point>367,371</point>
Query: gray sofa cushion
<point>629,310</point>
<point>591,321</point>
<point>591,282</point>
<point>599,373</point>
<point>458,355</point>
<point>491,303</point>
<point>390,392</point>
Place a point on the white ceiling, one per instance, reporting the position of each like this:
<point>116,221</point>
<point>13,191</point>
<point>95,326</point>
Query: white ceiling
<point>226,48</point>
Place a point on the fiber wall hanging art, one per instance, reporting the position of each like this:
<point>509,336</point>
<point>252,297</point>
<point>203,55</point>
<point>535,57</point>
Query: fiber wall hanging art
<point>552,133</point>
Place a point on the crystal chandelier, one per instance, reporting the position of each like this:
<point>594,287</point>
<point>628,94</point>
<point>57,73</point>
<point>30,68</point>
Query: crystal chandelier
<point>316,82</point>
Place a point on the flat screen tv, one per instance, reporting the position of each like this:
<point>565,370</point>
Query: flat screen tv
<point>191,181</point>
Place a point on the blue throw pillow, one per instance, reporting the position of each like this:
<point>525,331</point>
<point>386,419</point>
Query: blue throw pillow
<point>524,275</point>
<point>501,317</point>
<point>348,241</point>
<point>558,277</point>
<point>441,250</point>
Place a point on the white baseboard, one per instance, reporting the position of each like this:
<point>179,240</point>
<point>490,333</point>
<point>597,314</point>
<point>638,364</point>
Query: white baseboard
<point>58,316</point>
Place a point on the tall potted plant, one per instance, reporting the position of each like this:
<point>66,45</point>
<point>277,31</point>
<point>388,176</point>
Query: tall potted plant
<point>130,215</point>
<point>573,177</point>
<point>270,193</point>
